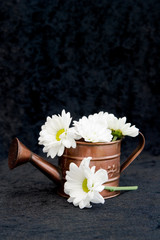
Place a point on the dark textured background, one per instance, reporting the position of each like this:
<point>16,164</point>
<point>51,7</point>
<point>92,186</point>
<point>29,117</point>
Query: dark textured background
<point>83,56</point>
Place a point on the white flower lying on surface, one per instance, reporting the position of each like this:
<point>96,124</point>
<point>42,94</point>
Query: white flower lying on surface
<point>93,129</point>
<point>56,134</point>
<point>83,184</point>
<point>120,128</point>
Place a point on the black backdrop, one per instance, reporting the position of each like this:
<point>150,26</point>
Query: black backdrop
<point>82,56</point>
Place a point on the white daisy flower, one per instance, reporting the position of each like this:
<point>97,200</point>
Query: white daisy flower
<point>93,129</point>
<point>56,134</point>
<point>120,128</point>
<point>83,184</point>
<point>99,117</point>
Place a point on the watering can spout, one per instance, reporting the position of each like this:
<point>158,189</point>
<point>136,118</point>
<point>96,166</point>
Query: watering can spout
<point>20,154</point>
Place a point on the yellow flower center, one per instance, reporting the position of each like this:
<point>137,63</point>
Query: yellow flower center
<point>59,133</point>
<point>84,186</point>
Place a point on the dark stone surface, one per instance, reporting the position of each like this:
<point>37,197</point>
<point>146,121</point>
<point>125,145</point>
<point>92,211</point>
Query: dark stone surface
<point>31,209</point>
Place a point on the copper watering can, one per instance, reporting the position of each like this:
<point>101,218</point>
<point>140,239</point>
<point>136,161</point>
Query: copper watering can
<point>104,155</point>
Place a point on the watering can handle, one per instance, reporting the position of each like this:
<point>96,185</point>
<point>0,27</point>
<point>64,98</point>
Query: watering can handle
<point>134,154</point>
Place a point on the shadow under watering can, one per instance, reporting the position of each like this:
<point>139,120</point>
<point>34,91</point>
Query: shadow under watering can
<point>104,155</point>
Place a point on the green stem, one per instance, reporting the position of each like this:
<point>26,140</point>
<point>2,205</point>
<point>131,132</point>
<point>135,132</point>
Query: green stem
<point>114,138</point>
<point>110,188</point>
